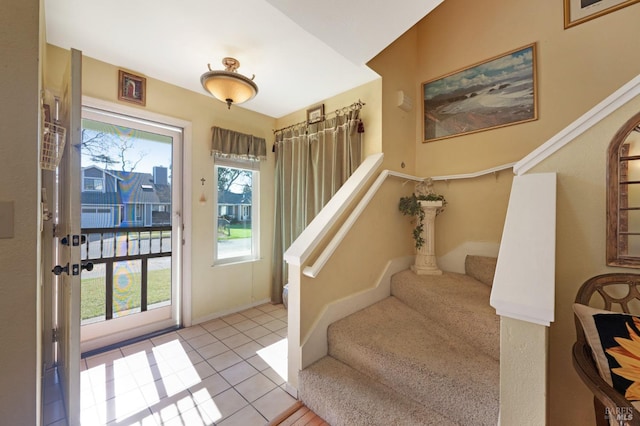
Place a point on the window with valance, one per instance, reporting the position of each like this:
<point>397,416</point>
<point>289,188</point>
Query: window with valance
<point>237,199</point>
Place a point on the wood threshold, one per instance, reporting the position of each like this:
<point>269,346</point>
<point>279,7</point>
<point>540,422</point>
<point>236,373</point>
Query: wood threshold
<point>298,415</point>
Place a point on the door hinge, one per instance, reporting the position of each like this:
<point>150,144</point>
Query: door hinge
<point>55,335</point>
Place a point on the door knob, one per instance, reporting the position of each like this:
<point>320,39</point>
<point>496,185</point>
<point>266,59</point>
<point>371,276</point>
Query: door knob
<point>57,270</point>
<point>87,266</point>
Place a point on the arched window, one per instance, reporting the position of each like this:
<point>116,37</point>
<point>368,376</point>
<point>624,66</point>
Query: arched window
<point>623,196</point>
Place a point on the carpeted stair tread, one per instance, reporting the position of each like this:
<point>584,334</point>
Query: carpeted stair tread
<point>453,300</point>
<point>421,359</point>
<point>343,396</point>
<point>481,268</point>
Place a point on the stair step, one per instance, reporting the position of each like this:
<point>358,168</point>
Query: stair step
<point>420,359</point>
<point>345,397</point>
<point>457,302</point>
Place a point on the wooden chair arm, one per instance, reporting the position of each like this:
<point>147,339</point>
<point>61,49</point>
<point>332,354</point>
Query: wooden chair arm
<point>602,391</point>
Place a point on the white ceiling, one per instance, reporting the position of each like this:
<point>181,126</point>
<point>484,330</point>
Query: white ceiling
<point>301,52</point>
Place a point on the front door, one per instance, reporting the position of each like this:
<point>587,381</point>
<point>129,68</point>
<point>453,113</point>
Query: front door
<point>130,199</point>
<point>61,241</point>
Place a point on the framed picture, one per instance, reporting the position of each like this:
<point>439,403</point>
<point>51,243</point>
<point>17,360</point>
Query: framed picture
<point>579,11</point>
<point>315,114</point>
<point>132,88</point>
<point>498,92</point>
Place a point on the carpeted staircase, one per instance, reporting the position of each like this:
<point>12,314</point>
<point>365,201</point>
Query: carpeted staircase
<point>426,355</point>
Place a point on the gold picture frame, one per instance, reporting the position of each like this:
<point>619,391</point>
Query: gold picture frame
<point>132,88</point>
<point>580,11</point>
<point>497,92</point>
<point>315,114</point>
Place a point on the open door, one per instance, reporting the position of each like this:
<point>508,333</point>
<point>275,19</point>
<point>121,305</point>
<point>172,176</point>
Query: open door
<point>66,245</point>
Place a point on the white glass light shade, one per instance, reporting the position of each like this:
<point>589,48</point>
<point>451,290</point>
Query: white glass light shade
<point>229,87</point>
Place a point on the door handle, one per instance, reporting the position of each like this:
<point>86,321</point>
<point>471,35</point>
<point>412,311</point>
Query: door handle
<point>58,270</point>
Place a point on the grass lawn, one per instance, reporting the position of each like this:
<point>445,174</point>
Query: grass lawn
<point>237,230</point>
<point>93,293</point>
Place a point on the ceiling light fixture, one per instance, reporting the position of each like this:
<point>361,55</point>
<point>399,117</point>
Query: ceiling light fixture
<point>229,86</point>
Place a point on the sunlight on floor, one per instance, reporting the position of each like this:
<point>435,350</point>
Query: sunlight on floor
<point>276,356</point>
<point>172,380</point>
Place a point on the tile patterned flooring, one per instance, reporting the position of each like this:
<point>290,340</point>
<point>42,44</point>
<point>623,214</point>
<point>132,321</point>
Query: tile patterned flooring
<point>228,371</point>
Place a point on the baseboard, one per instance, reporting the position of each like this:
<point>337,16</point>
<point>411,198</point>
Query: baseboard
<point>315,346</point>
<point>291,390</point>
<point>219,314</point>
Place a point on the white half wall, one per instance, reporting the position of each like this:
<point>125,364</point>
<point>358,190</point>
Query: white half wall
<point>524,283</point>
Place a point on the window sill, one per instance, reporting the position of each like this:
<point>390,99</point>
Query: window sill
<point>234,261</point>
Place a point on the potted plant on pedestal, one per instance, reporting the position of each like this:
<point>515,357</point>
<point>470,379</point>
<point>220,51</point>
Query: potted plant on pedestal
<point>423,206</point>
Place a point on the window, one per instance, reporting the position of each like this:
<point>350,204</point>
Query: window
<point>237,210</point>
<point>623,196</point>
<point>92,184</point>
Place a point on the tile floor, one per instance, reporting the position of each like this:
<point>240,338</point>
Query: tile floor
<point>228,371</point>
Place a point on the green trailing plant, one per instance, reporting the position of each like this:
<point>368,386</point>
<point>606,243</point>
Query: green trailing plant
<point>410,206</point>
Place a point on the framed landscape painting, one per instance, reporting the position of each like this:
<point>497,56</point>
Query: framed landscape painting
<point>498,92</point>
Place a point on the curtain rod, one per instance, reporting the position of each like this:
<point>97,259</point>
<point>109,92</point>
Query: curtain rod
<point>356,106</point>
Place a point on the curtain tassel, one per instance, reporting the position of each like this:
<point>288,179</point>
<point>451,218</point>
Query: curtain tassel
<point>360,126</point>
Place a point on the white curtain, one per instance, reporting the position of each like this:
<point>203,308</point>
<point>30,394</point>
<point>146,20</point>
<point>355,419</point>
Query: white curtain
<point>312,163</point>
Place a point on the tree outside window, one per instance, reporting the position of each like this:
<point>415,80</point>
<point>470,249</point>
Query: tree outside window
<point>236,237</point>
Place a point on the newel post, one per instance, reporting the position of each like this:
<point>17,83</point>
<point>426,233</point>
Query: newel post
<point>425,263</point>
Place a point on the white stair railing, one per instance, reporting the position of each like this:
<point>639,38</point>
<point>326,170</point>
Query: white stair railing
<point>313,270</point>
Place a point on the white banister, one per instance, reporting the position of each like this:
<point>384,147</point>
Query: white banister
<point>313,270</point>
<point>579,126</point>
<point>476,174</point>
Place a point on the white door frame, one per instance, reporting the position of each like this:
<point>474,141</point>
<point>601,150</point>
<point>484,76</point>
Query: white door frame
<point>185,212</point>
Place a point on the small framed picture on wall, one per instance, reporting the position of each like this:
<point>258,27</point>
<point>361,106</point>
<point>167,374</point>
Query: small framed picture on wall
<point>315,114</point>
<point>132,88</point>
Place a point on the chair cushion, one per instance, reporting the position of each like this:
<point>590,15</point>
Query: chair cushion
<point>614,339</point>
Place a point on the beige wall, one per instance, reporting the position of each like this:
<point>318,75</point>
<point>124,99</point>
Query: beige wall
<point>216,290</point>
<point>580,252</point>
<point>397,66</point>
<point>576,68</point>
<point>380,234</point>
<point>20,183</point>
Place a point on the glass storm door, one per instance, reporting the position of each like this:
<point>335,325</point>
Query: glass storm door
<point>130,203</point>
<point>61,245</point>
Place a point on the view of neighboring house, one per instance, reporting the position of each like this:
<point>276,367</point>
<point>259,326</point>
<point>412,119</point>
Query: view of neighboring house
<point>112,198</point>
<point>234,207</point>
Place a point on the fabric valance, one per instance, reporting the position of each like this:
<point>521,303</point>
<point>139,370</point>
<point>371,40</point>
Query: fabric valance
<point>230,144</point>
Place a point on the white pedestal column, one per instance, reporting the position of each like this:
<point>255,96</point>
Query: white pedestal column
<point>426,255</point>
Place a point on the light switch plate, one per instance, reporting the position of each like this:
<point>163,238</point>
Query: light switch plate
<point>6,219</point>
